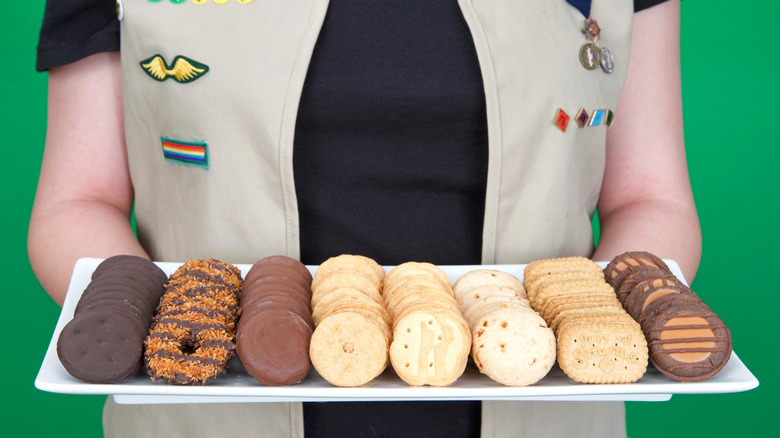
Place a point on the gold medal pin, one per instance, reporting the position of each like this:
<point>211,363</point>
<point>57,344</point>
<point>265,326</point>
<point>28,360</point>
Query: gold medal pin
<point>591,55</point>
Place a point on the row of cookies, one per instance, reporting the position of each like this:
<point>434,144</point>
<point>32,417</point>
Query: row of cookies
<point>687,341</point>
<point>193,333</point>
<point>431,339</point>
<point>597,341</point>
<point>351,340</point>
<point>273,334</point>
<point>103,343</point>
<point>511,343</point>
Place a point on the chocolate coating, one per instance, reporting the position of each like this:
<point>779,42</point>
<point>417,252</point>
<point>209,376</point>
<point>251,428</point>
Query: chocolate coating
<point>688,342</point>
<point>277,270</point>
<point>273,347</point>
<point>280,260</point>
<point>102,346</point>
<point>628,263</point>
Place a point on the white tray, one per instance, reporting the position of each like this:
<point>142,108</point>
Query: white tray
<point>238,386</point>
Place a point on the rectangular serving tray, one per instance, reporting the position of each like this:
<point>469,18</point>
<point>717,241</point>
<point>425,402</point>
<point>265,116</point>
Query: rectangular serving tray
<point>236,386</point>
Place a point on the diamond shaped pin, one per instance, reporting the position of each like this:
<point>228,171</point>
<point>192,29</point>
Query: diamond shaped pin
<point>597,118</point>
<point>561,119</point>
<point>610,117</point>
<point>582,117</point>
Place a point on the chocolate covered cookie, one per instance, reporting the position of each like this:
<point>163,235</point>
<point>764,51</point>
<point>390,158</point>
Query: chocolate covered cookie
<point>688,342</point>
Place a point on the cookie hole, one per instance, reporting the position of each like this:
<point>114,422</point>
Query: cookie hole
<point>440,337</point>
<point>406,346</point>
<point>406,364</point>
<point>77,331</point>
<point>188,349</point>
<point>100,340</point>
<point>348,347</point>
<point>485,324</point>
<point>503,324</point>
<point>430,364</point>
<point>112,359</point>
<point>430,322</point>
<point>476,296</point>
<point>409,330</point>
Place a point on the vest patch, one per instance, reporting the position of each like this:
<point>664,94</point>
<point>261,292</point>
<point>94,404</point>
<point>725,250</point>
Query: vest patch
<point>183,69</point>
<point>190,153</point>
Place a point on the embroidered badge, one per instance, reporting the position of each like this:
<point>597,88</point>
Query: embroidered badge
<point>191,153</point>
<point>561,119</point>
<point>184,70</point>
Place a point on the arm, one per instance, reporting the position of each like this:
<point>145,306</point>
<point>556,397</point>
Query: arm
<point>646,201</point>
<point>84,197</point>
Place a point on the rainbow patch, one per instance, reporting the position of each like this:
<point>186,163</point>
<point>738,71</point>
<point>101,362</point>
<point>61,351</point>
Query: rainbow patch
<point>191,153</point>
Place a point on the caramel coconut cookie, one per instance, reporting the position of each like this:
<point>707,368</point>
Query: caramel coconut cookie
<point>193,334</point>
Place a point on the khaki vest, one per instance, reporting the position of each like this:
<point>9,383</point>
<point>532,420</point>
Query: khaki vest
<point>543,184</point>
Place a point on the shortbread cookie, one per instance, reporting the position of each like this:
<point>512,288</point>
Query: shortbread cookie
<point>540,268</point>
<point>349,349</point>
<point>480,278</point>
<point>514,348</point>
<point>421,269</point>
<point>602,352</point>
<point>430,346</point>
<point>349,263</point>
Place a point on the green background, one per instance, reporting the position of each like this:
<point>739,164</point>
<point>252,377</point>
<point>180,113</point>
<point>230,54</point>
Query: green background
<point>730,87</point>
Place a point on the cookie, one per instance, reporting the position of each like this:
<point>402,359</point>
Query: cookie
<point>480,278</point>
<point>688,342</point>
<point>273,347</point>
<point>623,265</point>
<point>103,346</point>
<point>430,346</point>
<point>602,352</point>
<point>514,348</point>
<point>349,349</point>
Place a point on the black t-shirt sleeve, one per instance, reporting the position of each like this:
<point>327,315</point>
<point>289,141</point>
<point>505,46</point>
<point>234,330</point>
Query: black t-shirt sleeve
<point>75,29</point>
<point>644,4</point>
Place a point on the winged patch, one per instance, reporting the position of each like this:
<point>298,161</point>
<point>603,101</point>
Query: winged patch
<point>182,69</point>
